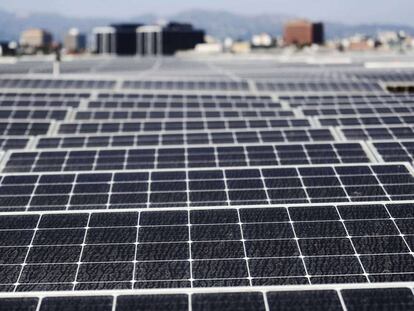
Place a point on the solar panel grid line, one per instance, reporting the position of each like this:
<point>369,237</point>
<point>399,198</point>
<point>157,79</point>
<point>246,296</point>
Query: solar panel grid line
<point>190,257</point>
<point>403,236</point>
<point>348,236</point>
<point>16,284</point>
<point>295,238</point>
<point>341,300</point>
<point>79,262</point>
<point>245,258</point>
<point>215,208</point>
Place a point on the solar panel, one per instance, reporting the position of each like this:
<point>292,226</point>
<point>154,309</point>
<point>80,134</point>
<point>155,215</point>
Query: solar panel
<point>363,100</point>
<point>179,125</point>
<point>13,143</point>
<point>395,151</point>
<point>179,114</point>
<point>252,155</point>
<point>379,132</point>
<point>322,86</point>
<point>187,85</point>
<point>392,119</point>
<point>400,298</point>
<point>218,187</point>
<point>206,248</point>
<point>33,114</point>
<point>163,103</point>
<point>29,128</point>
<point>16,83</point>
<point>200,138</point>
<point>350,110</point>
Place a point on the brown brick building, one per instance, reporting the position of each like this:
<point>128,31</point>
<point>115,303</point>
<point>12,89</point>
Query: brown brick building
<point>302,33</point>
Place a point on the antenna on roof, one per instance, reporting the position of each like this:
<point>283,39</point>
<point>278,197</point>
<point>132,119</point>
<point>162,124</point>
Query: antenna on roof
<point>57,60</point>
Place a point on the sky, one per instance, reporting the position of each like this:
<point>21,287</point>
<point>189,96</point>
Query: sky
<point>346,11</point>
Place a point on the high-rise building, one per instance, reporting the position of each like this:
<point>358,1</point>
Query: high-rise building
<point>167,40</point>
<point>303,32</point>
<point>116,39</point>
<point>35,40</point>
<point>8,48</point>
<point>75,42</point>
<point>136,39</point>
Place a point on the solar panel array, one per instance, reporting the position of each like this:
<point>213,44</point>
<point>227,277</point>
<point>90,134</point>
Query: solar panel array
<point>194,186</point>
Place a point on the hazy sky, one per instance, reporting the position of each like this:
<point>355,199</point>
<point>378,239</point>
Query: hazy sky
<point>352,11</point>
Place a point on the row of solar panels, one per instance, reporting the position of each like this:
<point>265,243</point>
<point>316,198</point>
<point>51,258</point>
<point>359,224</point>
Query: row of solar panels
<point>197,97</point>
<point>12,131</point>
<point>101,135</point>
<point>240,211</point>
<point>213,85</point>
<point>208,187</point>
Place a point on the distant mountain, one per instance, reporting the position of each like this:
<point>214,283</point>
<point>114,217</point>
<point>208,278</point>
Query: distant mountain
<point>224,24</point>
<point>216,23</point>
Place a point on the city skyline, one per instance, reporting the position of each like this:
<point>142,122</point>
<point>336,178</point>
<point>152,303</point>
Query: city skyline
<point>353,11</point>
